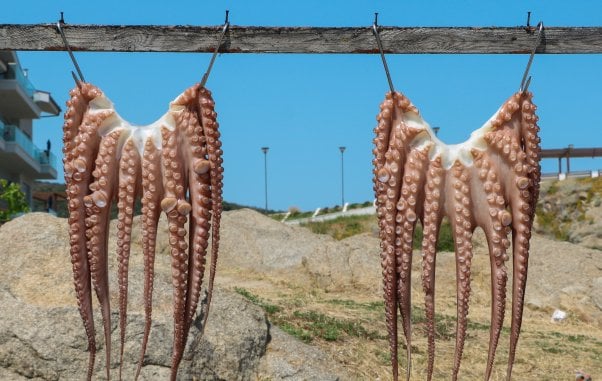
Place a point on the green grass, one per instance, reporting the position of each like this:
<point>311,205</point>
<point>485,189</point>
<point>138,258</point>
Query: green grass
<point>298,215</point>
<point>445,326</point>
<point>330,328</point>
<point>267,307</point>
<point>350,304</point>
<point>551,224</point>
<point>572,209</point>
<point>445,241</point>
<point>343,227</point>
<point>307,325</point>
<point>297,332</point>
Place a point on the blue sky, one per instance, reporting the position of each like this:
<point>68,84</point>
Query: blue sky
<point>305,106</point>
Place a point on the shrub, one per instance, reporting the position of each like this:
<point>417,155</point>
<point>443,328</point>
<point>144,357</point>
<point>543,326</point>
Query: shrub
<point>14,200</point>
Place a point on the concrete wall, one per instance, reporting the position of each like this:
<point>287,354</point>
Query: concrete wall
<point>27,126</point>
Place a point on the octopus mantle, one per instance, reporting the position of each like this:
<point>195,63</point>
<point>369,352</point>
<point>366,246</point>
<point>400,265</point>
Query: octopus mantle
<point>490,181</point>
<point>173,165</point>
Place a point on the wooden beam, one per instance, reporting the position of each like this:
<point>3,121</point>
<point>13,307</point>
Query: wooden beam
<point>440,40</point>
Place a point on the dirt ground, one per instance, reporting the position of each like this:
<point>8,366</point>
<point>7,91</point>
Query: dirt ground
<point>348,322</point>
<point>546,351</point>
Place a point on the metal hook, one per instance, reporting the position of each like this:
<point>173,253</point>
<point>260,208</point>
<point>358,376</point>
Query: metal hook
<point>524,84</point>
<point>219,43</point>
<point>77,81</point>
<point>382,53</point>
<point>59,26</point>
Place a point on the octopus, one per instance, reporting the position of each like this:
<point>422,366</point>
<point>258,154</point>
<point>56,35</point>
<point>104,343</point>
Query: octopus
<point>490,181</point>
<point>173,165</point>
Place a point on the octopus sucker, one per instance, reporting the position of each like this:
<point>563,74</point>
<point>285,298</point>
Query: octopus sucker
<point>175,166</point>
<point>490,181</point>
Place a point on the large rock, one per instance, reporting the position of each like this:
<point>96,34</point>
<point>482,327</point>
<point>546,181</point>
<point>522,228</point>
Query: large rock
<point>565,276</point>
<point>293,360</point>
<point>42,336</point>
<point>49,343</point>
<point>253,242</point>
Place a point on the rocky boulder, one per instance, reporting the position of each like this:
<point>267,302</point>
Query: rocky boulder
<point>42,336</point>
<point>255,243</point>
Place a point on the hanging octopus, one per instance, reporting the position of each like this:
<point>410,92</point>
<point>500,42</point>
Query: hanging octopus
<point>490,181</point>
<point>174,165</point>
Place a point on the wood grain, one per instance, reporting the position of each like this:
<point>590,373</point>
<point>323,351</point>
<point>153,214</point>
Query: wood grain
<point>346,40</point>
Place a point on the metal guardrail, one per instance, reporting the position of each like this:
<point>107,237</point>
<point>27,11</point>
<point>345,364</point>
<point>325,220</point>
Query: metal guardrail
<point>572,174</point>
<point>14,72</point>
<point>331,216</point>
<point>11,133</point>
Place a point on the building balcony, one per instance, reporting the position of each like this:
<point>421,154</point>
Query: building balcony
<point>18,97</point>
<point>22,156</point>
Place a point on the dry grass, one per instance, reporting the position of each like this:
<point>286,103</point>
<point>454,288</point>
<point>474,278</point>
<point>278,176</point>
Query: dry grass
<point>546,351</point>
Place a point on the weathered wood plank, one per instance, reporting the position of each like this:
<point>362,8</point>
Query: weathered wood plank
<point>152,38</point>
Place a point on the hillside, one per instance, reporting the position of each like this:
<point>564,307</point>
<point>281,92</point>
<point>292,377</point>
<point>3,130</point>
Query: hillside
<point>571,210</point>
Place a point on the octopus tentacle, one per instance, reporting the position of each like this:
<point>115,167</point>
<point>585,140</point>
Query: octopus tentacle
<point>431,223</point>
<point>78,161</point>
<point>176,208</point>
<point>494,223</point>
<point>128,186</point>
<point>531,140</point>
<point>97,223</point>
<point>525,201</point>
<point>199,185</point>
<point>199,241</point>
<point>152,191</point>
<point>385,182</point>
<point>388,181</point>
<point>406,222</point>
<point>214,154</point>
<point>521,233</point>
<point>462,225</point>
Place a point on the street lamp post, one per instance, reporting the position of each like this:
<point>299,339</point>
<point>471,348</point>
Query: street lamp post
<point>265,167</point>
<point>342,149</point>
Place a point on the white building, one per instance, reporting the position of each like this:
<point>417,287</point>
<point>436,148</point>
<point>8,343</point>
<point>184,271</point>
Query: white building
<point>20,103</point>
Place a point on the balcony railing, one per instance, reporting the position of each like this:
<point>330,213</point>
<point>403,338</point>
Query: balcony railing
<point>14,72</point>
<point>10,133</point>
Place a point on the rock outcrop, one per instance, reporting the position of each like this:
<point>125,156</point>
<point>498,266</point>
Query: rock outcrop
<point>42,337</point>
<point>256,243</point>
